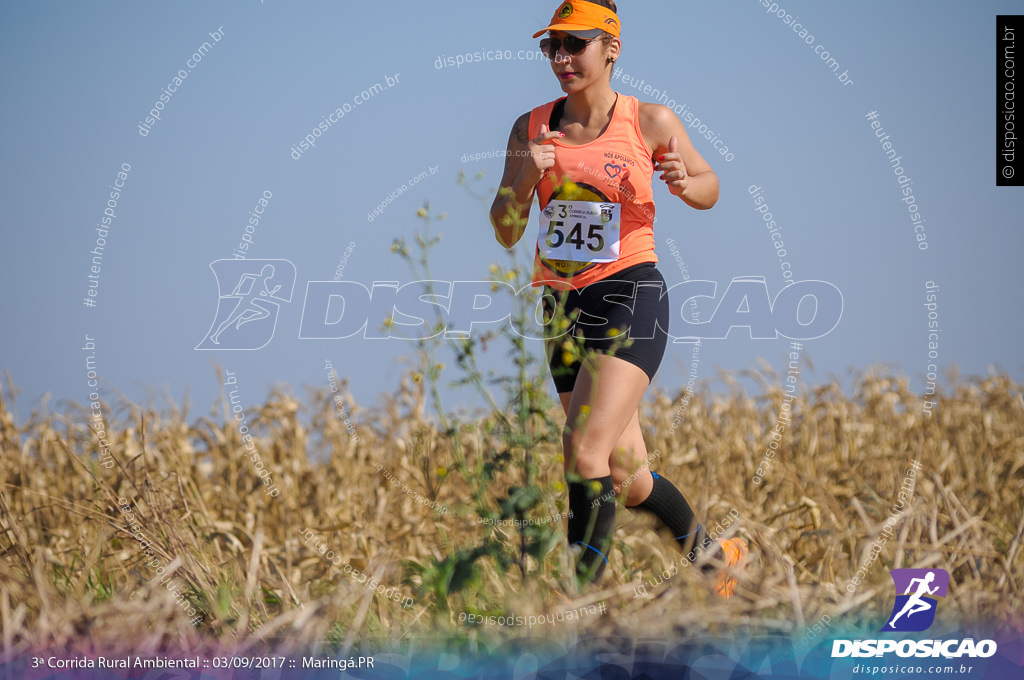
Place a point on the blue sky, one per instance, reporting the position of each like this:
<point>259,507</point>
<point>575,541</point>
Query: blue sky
<point>81,77</point>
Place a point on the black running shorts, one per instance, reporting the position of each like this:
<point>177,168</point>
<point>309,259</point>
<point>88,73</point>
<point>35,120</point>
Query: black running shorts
<point>625,315</point>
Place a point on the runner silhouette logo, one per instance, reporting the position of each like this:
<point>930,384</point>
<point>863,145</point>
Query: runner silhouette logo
<point>250,295</point>
<point>916,593</point>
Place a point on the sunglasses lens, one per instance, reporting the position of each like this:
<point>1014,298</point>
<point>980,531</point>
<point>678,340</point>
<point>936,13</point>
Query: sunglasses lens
<point>574,45</point>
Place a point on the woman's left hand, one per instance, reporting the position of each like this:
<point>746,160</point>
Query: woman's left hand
<point>670,164</point>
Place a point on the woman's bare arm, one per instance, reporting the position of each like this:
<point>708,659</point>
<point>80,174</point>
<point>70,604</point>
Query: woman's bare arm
<point>526,161</point>
<point>684,171</point>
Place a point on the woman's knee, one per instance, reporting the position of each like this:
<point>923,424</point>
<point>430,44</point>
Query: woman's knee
<point>585,459</point>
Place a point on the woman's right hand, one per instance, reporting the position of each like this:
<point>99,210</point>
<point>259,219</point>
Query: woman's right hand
<point>540,159</point>
<point>526,162</point>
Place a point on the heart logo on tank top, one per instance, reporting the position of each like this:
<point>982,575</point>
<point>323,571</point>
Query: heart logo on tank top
<point>613,171</point>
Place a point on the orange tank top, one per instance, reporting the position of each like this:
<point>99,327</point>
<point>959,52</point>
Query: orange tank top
<point>597,206</point>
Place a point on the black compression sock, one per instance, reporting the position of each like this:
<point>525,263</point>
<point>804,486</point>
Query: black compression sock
<point>669,505</point>
<point>591,523</point>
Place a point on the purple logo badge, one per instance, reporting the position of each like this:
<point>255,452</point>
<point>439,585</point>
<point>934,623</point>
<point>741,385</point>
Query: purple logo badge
<point>916,590</point>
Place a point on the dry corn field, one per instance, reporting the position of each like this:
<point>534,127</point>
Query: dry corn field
<point>72,574</point>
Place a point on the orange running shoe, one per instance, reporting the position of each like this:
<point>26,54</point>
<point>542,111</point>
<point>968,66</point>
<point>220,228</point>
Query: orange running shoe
<point>734,551</point>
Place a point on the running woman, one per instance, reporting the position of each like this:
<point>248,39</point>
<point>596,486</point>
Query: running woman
<point>590,158</point>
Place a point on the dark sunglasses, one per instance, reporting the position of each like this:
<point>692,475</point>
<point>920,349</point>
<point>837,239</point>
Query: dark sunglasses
<point>572,45</point>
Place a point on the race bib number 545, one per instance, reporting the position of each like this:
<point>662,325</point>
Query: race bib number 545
<point>581,231</point>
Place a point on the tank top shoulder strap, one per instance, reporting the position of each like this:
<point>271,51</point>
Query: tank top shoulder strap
<point>633,110</point>
<point>556,114</point>
<point>546,114</point>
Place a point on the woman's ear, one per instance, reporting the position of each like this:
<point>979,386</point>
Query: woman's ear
<point>613,50</point>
